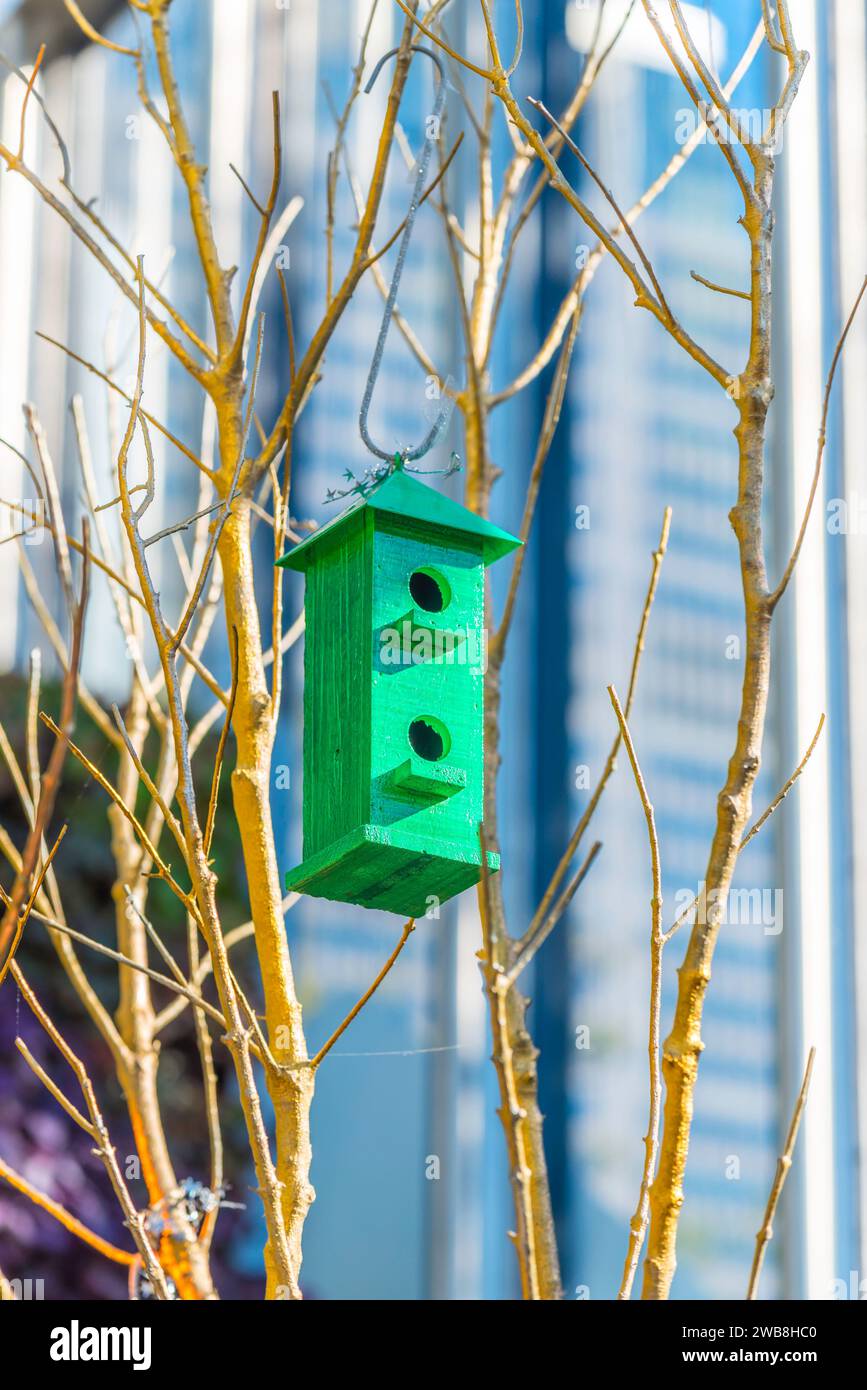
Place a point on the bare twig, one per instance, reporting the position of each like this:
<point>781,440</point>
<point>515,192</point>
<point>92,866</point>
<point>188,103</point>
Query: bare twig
<point>520,1173</point>
<point>820,450</point>
<point>66,1219</point>
<point>51,777</point>
<point>221,747</point>
<point>766,814</point>
<point>784,1163</point>
<point>87,28</point>
<point>611,761</point>
<point>638,1225</point>
<point>28,907</point>
<point>30,81</point>
<point>134,1219</point>
<point>529,944</point>
<point>368,994</point>
<point>720,289</point>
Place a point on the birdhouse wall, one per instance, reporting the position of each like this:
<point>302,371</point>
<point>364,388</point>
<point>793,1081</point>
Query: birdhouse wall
<point>337,690</point>
<point>427,712</point>
<point>394,701</point>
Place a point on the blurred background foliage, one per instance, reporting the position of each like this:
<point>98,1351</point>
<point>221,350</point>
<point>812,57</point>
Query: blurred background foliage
<point>36,1138</point>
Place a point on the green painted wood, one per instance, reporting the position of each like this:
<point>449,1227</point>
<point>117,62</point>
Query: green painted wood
<point>401,495</point>
<point>393,700</point>
<point>337,725</point>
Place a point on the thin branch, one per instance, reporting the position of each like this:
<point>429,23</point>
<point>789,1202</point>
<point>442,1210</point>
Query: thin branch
<point>529,944</point>
<point>785,788</point>
<point>160,428</point>
<point>53,1089</point>
<point>784,1163</point>
<point>210,1086</point>
<point>638,1225</point>
<point>15,165</point>
<point>152,789</point>
<point>723,144</point>
<point>162,868</point>
<point>551,418</point>
<point>178,525</point>
<point>309,365</point>
<point>66,1219</point>
<point>28,906</point>
<point>231,494</point>
<point>247,189</point>
<point>177,987</point>
<point>30,81</point>
<point>266,214</point>
<point>611,761</point>
<point>766,815</point>
<point>720,289</point>
<point>221,747</point>
<point>88,30</point>
<point>34,772</point>
<point>644,298</point>
<point>203,970</point>
<point>51,777</point>
<point>820,451</point>
<point>456,57</point>
<point>55,510</point>
<point>333,165</point>
<point>271,247</point>
<point>772,34</point>
<point>523,159</point>
<point>572,300</point>
<point>188,653</point>
<point>193,174</point>
<point>353,1013</point>
<point>104,1148</point>
<point>609,197</point>
<point>511,1112</point>
<point>431,188</point>
<point>64,948</point>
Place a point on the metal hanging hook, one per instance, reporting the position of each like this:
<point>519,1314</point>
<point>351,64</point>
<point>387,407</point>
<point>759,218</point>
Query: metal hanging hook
<point>404,455</point>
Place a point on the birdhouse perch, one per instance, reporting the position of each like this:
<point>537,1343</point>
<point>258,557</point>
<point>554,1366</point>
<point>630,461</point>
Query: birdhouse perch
<point>394,666</point>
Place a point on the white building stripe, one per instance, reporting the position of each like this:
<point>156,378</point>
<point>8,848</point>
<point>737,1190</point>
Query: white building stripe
<point>850,116</point>
<point>803,344</point>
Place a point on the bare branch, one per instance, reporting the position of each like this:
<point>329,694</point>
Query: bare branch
<point>611,761</point>
<point>9,926</point>
<point>756,827</point>
<point>720,289</point>
<point>221,747</point>
<point>784,1163</point>
<point>529,944</point>
<point>28,907</point>
<point>66,1219</point>
<point>520,1173</point>
<point>820,451</point>
<point>87,28</point>
<point>353,1013</point>
<point>104,1147</point>
<point>638,1225</point>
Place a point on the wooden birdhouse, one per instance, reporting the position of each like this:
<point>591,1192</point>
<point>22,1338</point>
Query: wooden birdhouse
<point>394,667</point>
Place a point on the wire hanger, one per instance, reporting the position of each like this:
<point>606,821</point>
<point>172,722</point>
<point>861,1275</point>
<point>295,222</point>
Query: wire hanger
<point>404,455</point>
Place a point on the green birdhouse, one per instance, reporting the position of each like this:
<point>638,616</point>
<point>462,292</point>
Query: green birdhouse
<point>394,667</point>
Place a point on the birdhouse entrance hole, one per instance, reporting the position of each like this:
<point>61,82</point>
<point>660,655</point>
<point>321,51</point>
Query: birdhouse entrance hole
<point>429,590</point>
<point>429,738</point>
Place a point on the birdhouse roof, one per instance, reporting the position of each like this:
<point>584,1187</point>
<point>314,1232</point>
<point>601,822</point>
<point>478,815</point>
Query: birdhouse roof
<point>402,496</point>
